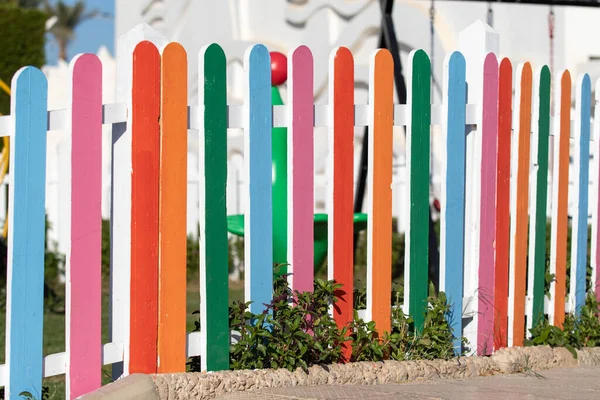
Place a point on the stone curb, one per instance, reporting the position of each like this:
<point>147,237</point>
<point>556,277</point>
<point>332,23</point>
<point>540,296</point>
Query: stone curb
<point>132,387</point>
<point>185,386</point>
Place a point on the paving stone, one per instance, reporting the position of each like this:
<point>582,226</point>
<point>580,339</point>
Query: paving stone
<point>559,384</point>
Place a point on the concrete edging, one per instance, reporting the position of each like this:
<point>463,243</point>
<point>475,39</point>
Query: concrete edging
<point>203,385</point>
<point>132,387</point>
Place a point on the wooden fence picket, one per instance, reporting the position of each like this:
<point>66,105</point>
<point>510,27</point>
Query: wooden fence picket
<point>581,166</point>
<point>379,223</point>
<point>144,208</point>
<point>26,234</point>
<point>452,218</point>
<point>519,202</point>
<point>539,193</point>
<point>258,116</point>
<point>172,238</point>
<point>502,260</point>
<point>214,252</point>
<point>340,194</point>
<point>487,242</point>
<point>560,198</point>
<point>83,336</point>
<point>301,176</point>
<point>416,265</point>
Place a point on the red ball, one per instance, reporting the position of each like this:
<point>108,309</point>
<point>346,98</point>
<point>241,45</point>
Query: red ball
<point>278,68</point>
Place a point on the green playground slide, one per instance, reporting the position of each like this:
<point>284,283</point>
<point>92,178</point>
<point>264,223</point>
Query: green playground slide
<point>235,223</point>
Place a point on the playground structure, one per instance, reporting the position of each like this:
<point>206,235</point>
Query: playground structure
<point>483,264</point>
<point>235,223</point>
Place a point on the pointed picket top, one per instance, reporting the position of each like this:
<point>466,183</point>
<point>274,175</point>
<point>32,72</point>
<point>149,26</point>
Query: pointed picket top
<point>475,42</point>
<point>125,46</point>
<point>478,39</point>
<point>481,34</point>
<point>142,31</point>
<point>104,54</point>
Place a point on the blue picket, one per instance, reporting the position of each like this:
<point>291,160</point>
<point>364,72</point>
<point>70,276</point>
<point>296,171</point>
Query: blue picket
<point>453,202</point>
<point>257,142</point>
<point>581,225</point>
<point>26,234</point>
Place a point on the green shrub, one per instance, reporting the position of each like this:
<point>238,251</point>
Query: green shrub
<point>576,333</point>
<point>28,396</point>
<point>403,343</point>
<point>297,331</point>
<point>23,40</point>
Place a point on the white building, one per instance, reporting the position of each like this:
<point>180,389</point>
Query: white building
<point>323,25</point>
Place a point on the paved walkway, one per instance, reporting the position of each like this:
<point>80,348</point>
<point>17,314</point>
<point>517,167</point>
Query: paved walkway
<point>575,383</point>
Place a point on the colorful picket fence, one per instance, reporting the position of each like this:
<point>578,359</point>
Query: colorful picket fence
<point>149,162</point>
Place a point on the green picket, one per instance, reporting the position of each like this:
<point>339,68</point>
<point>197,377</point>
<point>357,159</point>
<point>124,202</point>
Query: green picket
<point>280,202</point>
<point>213,214</point>
<point>539,256</point>
<point>418,229</point>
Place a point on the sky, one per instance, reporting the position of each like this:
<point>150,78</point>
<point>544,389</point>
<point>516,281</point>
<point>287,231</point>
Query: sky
<point>90,35</point>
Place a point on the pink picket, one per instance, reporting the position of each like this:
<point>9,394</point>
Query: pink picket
<point>301,170</point>
<point>489,132</point>
<point>83,314</point>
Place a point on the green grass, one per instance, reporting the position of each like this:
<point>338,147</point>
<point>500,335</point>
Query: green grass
<point>54,331</point>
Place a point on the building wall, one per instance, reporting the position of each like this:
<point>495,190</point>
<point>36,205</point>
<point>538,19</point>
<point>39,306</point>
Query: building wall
<point>322,25</point>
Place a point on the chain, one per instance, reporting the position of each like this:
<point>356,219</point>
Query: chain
<point>551,36</point>
<point>431,43</point>
<point>551,39</point>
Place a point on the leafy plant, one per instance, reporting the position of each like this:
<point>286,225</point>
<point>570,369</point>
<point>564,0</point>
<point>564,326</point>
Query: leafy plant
<point>367,345</point>
<point>28,396</point>
<point>296,330</point>
<point>435,341</point>
<point>577,332</point>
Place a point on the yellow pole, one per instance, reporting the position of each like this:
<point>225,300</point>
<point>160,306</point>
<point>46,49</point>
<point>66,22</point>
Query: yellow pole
<point>4,160</point>
<point>4,87</point>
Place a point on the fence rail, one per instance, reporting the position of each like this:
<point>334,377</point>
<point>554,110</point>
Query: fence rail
<point>116,113</point>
